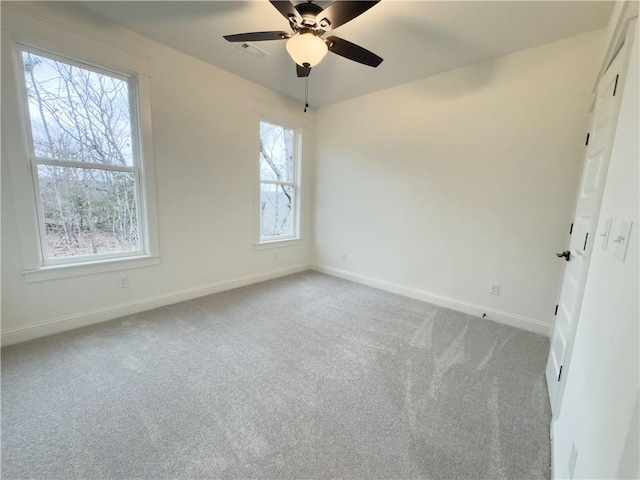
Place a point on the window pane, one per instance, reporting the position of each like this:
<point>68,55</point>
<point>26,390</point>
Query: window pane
<point>276,153</point>
<point>276,210</point>
<point>88,211</point>
<point>77,114</point>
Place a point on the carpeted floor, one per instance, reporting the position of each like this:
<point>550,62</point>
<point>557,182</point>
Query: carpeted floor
<point>305,376</point>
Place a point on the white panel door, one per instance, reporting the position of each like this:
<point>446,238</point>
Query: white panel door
<point>582,239</point>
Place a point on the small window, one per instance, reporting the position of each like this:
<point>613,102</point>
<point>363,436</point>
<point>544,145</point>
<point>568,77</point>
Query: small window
<point>278,182</point>
<point>85,156</point>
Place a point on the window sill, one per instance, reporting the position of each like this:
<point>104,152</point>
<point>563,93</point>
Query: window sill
<point>55,272</point>
<point>285,242</point>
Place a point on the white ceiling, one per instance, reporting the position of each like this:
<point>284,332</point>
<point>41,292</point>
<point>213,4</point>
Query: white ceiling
<point>416,38</point>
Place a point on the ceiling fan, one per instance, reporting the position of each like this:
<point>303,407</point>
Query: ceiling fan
<point>309,22</point>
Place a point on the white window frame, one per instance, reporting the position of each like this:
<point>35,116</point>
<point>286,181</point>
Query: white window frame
<point>76,49</point>
<point>297,155</point>
<point>134,168</point>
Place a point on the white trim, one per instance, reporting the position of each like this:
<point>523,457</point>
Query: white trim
<point>87,165</point>
<point>91,317</point>
<point>136,159</point>
<point>624,12</point>
<point>271,116</point>
<point>554,453</point>
<point>91,267</point>
<point>148,207</point>
<point>279,243</point>
<point>62,43</point>
<point>276,183</point>
<point>280,115</point>
<point>16,145</point>
<point>514,320</point>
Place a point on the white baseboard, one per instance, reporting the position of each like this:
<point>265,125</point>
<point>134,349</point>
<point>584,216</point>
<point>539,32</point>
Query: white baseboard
<point>70,322</point>
<point>109,313</point>
<point>518,321</point>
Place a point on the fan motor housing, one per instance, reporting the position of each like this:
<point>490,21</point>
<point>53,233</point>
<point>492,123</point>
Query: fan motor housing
<point>308,12</point>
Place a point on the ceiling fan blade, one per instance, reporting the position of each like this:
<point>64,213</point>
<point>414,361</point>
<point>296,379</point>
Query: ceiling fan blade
<point>303,71</point>
<point>287,9</point>
<point>339,13</point>
<point>352,51</point>
<point>256,36</point>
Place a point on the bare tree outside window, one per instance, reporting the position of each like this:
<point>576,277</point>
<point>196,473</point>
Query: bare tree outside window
<point>277,181</point>
<point>83,150</point>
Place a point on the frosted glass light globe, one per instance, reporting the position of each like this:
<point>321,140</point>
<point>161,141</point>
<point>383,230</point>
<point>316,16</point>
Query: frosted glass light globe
<point>306,47</point>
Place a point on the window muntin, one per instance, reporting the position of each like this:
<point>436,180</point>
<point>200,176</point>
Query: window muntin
<point>278,182</point>
<point>85,159</point>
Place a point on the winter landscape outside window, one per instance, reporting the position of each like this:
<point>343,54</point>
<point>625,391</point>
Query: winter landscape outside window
<point>278,182</point>
<point>85,157</point>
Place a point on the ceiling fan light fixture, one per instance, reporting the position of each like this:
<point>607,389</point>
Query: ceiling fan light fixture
<point>307,47</point>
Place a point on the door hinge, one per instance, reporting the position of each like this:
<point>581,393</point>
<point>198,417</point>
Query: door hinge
<point>586,237</point>
<point>556,312</point>
<point>571,229</point>
<point>587,142</point>
<point>560,373</point>
<point>615,87</point>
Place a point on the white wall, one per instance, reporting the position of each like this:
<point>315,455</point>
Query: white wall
<point>600,406</point>
<point>439,187</point>
<point>205,154</point>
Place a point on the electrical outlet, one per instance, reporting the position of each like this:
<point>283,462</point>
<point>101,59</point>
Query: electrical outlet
<point>344,257</point>
<point>124,282</point>
<point>573,456</point>
<point>494,288</point>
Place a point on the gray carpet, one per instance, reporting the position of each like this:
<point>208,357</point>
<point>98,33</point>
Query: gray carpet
<point>305,376</point>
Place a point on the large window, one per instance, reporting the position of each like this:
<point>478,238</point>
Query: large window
<point>279,161</point>
<point>85,158</point>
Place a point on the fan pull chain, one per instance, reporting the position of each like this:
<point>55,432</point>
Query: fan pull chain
<point>306,93</point>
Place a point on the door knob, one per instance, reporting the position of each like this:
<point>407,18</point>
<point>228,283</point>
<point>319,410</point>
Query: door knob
<point>566,254</point>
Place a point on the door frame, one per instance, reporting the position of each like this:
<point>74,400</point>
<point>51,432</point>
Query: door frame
<point>619,42</point>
